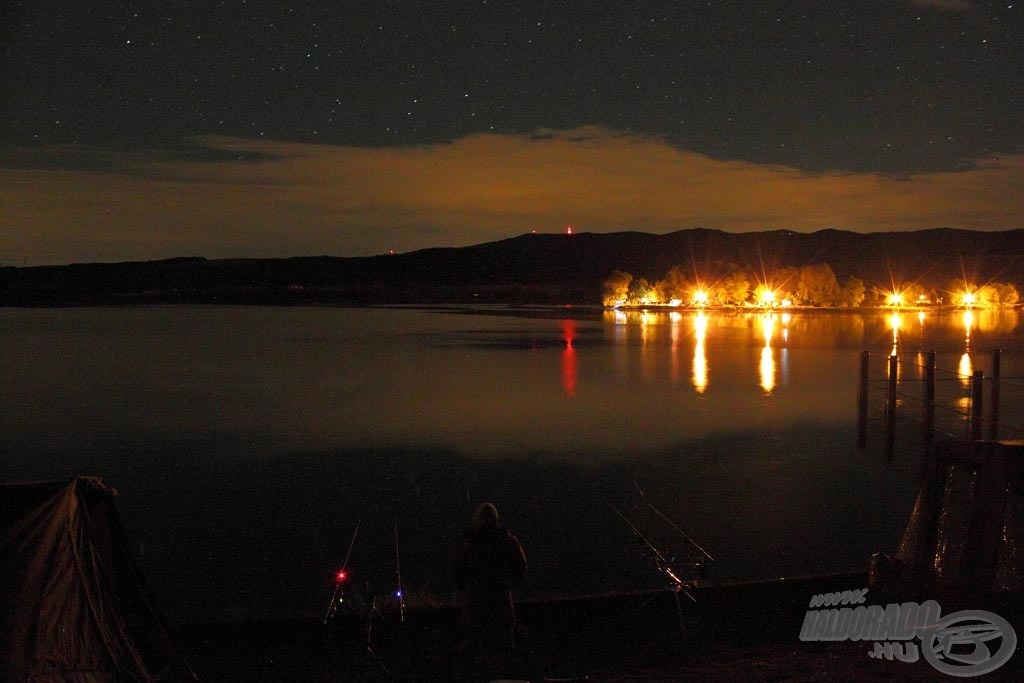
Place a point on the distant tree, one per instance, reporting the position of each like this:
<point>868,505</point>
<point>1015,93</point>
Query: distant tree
<point>1008,294</point>
<point>987,296</point>
<point>787,282</point>
<point>732,289</point>
<point>852,292</point>
<point>639,291</point>
<point>877,295</point>
<point>656,293</point>
<point>676,285</point>
<point>616,287</point>
<point>955,290</point>
<point>818,285</point>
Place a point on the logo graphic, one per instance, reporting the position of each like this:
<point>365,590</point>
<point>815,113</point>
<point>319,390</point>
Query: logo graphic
<point>965,644</point>
<point>961,644</point>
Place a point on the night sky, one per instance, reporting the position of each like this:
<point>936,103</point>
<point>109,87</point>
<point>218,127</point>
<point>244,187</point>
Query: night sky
<point>219,129</point>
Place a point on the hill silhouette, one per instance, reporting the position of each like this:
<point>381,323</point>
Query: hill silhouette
<point>530,268</point>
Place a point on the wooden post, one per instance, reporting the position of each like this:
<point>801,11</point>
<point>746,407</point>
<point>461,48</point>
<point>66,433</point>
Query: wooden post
<point>977,384</point>
<point>890,411</point>
<point>928,411</point>
<point>993,406</point>
<point>988,510</point>
<point>862,403</point>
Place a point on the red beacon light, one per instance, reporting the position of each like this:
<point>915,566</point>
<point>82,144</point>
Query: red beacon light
<point>341,575</point>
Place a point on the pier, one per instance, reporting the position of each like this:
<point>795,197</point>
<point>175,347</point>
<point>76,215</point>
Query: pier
<point>960,432</point>
<point>908,403</point>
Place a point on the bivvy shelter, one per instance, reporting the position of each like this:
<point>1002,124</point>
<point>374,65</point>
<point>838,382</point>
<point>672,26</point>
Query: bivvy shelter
<point>73,604</point>
<point>964,542</point>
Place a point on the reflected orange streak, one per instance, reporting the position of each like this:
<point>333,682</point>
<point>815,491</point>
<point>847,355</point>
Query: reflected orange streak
<point>767,369</point>
<point>569,360</point>
<point>965,369</point>
<point>700,360</point>
<point>767,365</point>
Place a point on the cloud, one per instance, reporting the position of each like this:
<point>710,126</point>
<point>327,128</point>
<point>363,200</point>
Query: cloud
<point>264,199</point>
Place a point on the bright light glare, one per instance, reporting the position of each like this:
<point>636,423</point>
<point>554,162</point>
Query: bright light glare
<point>700,326</point>
<point>700,297</point>
<point>894,323</point>
<point>767,370</point>
<point>965,369</point>
<point>700,360</point>
<point>894,299</point>
<point>767,328</point>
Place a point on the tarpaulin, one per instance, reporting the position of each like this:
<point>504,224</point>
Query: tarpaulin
<point>73,605</point>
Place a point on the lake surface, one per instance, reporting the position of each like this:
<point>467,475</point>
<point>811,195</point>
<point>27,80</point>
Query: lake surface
<point>249,442</point>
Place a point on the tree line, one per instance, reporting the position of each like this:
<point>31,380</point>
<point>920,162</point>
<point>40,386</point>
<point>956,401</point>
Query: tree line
<point>812,285</point>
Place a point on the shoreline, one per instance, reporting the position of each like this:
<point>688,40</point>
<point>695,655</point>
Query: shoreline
<point>736,631</point>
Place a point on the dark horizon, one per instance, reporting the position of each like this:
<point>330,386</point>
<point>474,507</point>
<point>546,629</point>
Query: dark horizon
<point>532,268</point>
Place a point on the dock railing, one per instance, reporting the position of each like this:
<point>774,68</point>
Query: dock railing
<point>907,403</point>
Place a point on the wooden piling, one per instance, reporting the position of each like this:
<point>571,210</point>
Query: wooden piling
<point>862,403</point>
<point>928,410</point>
<point>890,410</point>
<point>977,404</point>
<point>993,404</point>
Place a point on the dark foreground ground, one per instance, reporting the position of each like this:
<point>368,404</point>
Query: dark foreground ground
<point>746,632</point>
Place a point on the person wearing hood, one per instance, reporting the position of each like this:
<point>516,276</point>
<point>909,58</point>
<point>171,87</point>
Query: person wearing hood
<point>488,563</point>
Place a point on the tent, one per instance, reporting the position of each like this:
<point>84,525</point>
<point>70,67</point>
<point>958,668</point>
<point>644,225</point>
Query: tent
<point>73,605</point>
<point>965,537</point>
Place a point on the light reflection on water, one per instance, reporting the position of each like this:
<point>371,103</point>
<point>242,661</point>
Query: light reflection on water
<point>943,331</point>
<point>569,358</point>
<point>739,423</point>
<point>593,385</point>
<point>956,329</point>
<point>700,360</point>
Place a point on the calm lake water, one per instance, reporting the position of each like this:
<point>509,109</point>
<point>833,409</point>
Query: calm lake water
<point>249,442</point>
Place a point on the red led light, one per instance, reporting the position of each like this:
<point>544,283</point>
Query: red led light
<point>341,575</point>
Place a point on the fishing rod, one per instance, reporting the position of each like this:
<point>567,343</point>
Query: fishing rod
<point>398,576</point>
<point>679,586</point>
<point>663,563</point>
<point>341,575</point>
<point>675,526</point>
